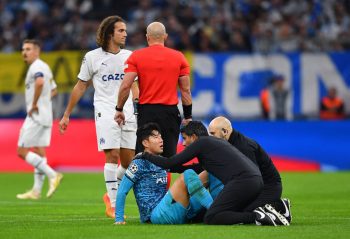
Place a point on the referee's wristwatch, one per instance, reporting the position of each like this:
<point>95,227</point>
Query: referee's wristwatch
<point>118,109</point>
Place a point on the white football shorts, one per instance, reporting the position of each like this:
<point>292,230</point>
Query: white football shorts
<point>110,135</point>
<point>33,134</point>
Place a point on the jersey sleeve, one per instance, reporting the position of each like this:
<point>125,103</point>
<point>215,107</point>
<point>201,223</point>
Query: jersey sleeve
<point>86,71</point>
<point>37,71</point>
<point>130,64</point>
<point>123,191</point>
<point>185,67</point>
<point>132,175</point>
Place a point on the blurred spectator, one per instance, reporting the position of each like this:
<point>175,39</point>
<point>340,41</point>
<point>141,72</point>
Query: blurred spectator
<point>204,26</point>
<point>276,100</point>
<point>332,107</point>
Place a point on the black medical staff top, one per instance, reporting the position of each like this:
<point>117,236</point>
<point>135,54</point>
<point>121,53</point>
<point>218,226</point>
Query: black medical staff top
<point>217,156</point>
<point>257,154</point>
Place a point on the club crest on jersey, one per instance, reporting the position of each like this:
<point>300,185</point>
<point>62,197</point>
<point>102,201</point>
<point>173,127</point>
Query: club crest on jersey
<point>102,141</point>
<point>133,168</point>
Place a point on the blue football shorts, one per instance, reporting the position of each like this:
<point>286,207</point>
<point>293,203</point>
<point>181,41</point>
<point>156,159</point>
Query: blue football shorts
<point>168,211</point>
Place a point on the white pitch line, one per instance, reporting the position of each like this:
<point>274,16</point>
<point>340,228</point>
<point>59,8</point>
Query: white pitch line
<point>69,220</point>
<point>325,218</point>
<point>56,203</point>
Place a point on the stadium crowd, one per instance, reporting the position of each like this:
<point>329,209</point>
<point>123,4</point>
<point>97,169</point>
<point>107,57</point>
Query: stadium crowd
<point>197,25</point>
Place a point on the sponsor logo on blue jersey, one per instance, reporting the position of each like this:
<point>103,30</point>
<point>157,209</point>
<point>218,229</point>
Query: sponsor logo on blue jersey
<point>113,77</point>
<point>162,180</point>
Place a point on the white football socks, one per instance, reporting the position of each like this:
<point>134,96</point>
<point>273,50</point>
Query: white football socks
<point>39,163</point>
<point>39,178</point>
<point>110,173</point>
<point>120,173</point>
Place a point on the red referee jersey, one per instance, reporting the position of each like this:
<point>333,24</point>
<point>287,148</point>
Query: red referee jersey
<point>158,69</point>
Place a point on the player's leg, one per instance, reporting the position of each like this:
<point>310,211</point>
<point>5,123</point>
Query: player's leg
<point>196,210</point>
<point>127,148</point>
<point>187,186</point>
<point>111,181</point>
<point>32,135</point>
<point>169,211</point>
<point>39,176</point>
<point>173,208</point>
<point>108,140</point>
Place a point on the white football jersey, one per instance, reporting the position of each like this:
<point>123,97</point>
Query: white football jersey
<point>106,70</point>
<point>39,69</point>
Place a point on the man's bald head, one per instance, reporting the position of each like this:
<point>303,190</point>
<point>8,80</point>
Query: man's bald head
<point>220,127</point>
<point>156,33</point>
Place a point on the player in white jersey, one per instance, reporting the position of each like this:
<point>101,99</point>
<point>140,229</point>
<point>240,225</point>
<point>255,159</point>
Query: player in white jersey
<point>36,130</point>
<point>104,68</point>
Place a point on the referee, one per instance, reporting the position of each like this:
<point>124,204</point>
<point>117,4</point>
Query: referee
<point>159,70</point>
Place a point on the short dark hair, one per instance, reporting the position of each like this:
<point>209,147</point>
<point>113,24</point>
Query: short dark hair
<point>195,128</point>
<point>105,30</point>
<point>32,41</point>
<point>145,131</point>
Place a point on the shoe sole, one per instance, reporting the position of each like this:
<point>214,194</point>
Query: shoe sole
<point>281,218</point>
<point>27,198</point>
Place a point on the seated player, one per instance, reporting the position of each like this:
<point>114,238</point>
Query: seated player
<point>156,204</point>
<point>241,178</point>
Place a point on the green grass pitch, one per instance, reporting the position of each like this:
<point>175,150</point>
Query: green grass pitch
<point>320,207</point>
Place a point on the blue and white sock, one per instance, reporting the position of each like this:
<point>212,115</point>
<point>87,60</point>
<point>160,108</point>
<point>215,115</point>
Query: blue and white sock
<point>196,190</point>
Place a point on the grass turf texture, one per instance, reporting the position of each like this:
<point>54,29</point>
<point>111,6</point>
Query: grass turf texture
<point>320,206</point>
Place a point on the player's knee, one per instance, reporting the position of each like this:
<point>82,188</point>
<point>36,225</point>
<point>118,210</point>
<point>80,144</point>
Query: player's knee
<point>112,156</point>
<point>21,152</point>
<point>124,163</point>
<point>181,179</point>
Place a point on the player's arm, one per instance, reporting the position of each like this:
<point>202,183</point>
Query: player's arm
<point>186,97</point>
<point>53,85</point>
<point>186,155</point>
<point>54,92</point>
<point>135,91</point>
<point>123,191</point>
<point>123,95</point>
<point>38,88</point>
<point>125,87</point>
<point>181,168</point>
<point>78,91</point>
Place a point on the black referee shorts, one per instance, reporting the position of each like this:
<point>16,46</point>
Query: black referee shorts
<point>168,118</point>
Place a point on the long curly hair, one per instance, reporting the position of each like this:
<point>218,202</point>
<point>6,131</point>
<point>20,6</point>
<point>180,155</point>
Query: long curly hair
<point>106,30</point>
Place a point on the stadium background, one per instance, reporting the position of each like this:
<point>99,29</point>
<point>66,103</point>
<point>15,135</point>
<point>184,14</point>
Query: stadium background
<point>234,47</point>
